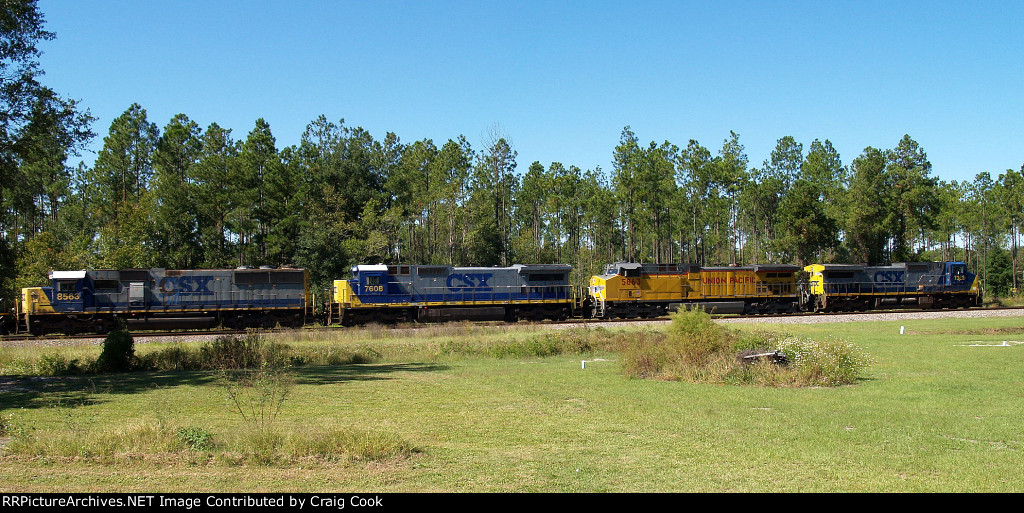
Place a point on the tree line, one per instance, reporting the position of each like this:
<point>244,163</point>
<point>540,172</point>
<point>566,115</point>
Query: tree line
<point>184,196</point>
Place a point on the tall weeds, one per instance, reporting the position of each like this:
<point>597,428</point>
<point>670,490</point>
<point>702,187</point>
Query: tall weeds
<point>696,349</point>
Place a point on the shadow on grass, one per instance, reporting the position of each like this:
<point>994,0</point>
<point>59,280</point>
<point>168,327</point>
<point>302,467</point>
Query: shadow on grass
<point>332,374</point>
<point>41,392</point>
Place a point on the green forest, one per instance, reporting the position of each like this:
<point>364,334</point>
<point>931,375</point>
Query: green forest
<point>174,194</point>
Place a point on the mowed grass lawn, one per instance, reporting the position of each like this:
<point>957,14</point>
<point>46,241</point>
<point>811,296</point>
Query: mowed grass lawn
<point>932,414</point>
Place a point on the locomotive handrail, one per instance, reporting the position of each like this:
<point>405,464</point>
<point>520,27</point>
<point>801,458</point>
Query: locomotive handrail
<point>854,288</point>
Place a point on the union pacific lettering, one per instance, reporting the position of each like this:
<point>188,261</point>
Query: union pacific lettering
<point>722,280</point>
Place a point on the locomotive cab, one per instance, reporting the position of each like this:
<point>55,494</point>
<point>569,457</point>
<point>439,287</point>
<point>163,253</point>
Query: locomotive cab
<point>371,280</point>
<point>70,291</point>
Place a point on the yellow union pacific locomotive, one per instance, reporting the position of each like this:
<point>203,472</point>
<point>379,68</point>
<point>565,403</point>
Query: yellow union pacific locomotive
<point>630,290</point>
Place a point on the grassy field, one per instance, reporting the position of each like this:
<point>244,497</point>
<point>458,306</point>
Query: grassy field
<point>934,413</point>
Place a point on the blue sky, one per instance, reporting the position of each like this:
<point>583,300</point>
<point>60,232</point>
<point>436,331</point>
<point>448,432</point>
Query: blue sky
<point>561,79</point>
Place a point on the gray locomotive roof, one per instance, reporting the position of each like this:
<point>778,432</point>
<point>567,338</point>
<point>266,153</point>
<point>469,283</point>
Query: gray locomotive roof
<point>843,267</point>
<point>776,267</point>
<point>758,268</point>
<point>896,265</point>
<point>542,267</point>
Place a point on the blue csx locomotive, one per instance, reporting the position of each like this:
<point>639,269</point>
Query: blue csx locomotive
<point>837,287</point>
<point>389,293</point>
<point>100,300</point>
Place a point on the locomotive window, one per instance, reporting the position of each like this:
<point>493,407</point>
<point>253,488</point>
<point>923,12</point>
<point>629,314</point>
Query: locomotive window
<point>66,286</point>
<point>287,277</point>
<point>630,273</point>
<point>432,271</point>
<point>252,278</point>
<point>839,274</point>
<point>105,285</point>
<point>546,277</point>
<point>373,280</point>
<point>134,275</point>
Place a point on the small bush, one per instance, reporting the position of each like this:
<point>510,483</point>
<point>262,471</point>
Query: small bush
<point>56,364</point>
<point>696,349</point>
<point>539,346</point>
<point>175,358</point>
<point>258,395</point>
<point>364,355</point>
<point>577,340</point>
<point>693,349</point>
<point>118,352</point>
<point>759,339</point>
<point>232,352</point>
<point>195,438</point>
<point>830,362</point>
<point>696,336</point>
<point>455,347</point>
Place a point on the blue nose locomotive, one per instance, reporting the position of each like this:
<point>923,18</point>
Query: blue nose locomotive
<point>840,287</point>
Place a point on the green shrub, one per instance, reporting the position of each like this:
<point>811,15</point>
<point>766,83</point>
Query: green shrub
<point>363,355</point>
<point>829,362</point>
<point>257,395</point>
<point>455,347</point>
<point>195,438</point>
<point>539,346</point>
<point>696,336</point>
<point>697,349</point>
<point>175,357</point>
<point>118,352</point>
<point>56,364</point>
<point>230,352</point>
<point>577,340</point>
<point>759,339</point>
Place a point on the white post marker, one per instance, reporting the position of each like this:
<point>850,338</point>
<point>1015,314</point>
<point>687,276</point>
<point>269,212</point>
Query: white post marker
<point>901,330</point>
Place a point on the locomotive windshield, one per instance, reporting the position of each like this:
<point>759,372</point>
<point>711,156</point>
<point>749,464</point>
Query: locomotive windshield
<point>959,272</point>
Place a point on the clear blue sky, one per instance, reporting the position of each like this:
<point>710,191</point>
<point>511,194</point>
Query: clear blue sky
<point>562,78</point>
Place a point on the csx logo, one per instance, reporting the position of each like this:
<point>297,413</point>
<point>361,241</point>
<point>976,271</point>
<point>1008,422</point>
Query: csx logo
<point>889,277</point>
<point>185,285</point>
<point>469,282</point>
